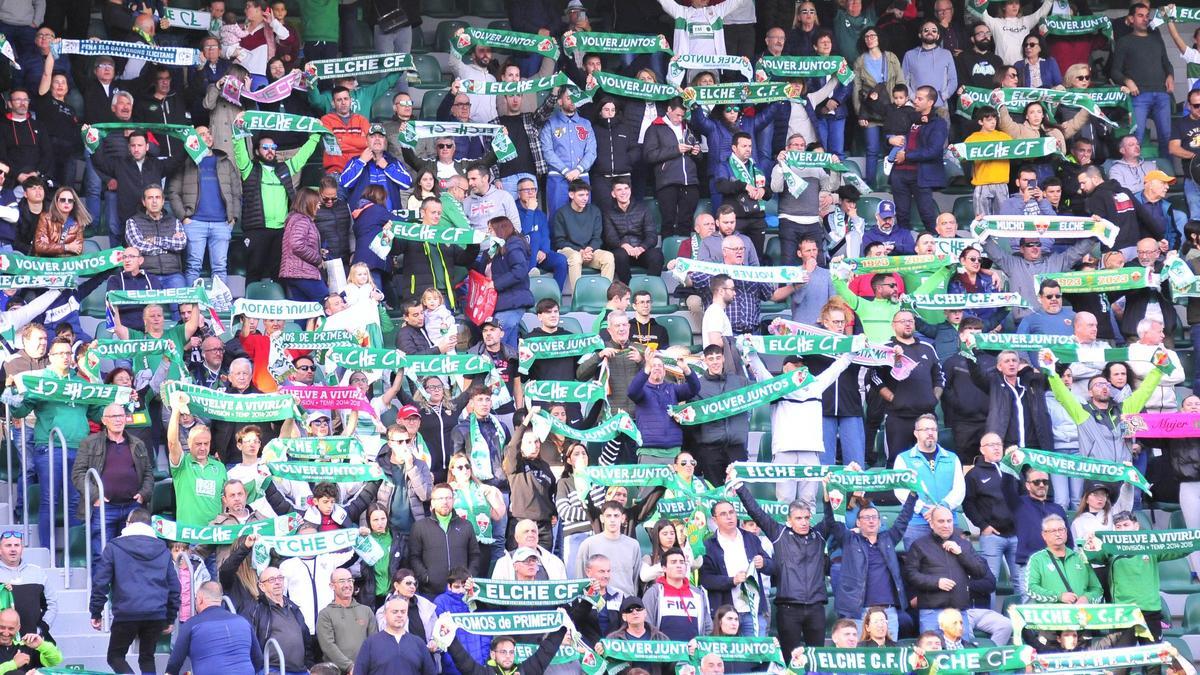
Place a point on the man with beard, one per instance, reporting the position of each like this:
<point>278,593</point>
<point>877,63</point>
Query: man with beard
<point>932,66</point>
<point>523,130</point>
<point>475,65</point>
<point>977,66</point>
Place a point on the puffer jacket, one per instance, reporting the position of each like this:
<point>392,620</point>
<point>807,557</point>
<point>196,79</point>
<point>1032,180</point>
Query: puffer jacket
<point>617,149</point>
<point>653,400</point>
<point>335,224</point>
<point>633,226</point>
<point>510,274</point>
<point>301,257</point>
<point>50,241</point>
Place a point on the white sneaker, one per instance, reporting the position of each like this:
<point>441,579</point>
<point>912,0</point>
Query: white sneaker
<point>887,166</point>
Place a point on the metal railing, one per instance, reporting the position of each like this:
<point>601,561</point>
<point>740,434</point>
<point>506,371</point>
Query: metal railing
<point>66,503</point>
<point>228,604</point>
<point>273,643</point>
<point>87,519</point>
<point>24,469</point>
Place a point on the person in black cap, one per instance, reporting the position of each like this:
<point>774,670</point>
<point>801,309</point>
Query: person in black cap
<point>633,614</point>
<point>375,166</point>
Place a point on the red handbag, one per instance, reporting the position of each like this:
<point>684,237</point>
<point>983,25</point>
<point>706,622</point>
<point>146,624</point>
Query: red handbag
<point>481,298</point>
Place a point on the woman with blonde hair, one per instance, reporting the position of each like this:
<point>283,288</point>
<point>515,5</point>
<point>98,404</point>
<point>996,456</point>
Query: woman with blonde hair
<point>59,232</point>
<point>301,262</point>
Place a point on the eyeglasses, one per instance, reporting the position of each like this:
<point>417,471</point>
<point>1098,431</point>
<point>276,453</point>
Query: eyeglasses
<point>903,321</point>
<point>1053,296</point>
<point>1027,45</point>
<point>1055,530</point>
<point>307,369</point>
<point>60,353</point>
<point>271,580</point>
<point>403,104</point>
<point>459,104</point>
<point>398,440</point>
<point>445,146</point>
<point>1039,481</point>
<point>213,349</point>
<point>269,146</point>
<point>532,189</point>
<point>869,517</point>
<point>66,200</point>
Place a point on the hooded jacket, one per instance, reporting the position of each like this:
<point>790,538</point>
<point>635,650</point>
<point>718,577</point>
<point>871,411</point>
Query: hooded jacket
<point>986,502</point>
<point>25,146</point>
<point>660,150</point>
<point>135,569</point>
<point>531,482</point>
<point>1133,219</point>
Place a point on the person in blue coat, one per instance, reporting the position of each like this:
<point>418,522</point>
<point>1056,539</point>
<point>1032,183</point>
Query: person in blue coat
<point>215,639</point>
<point>453,600</point>
<point>375,166</point>
<point>733,579</point>
<point>569,148</point>
<point>662,437</point>
<point>718,128</point>
<point>509,270</point>
<point>370,217</point>
<point>831,97</point>
<point>393,650</point>
<point>919,169</point>
<point>536,226</point>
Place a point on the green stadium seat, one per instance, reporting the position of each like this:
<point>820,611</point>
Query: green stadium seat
<point>760,418</point>
<point>588,295</point>
<point>487,9</point>
<point>440,9</point>
<point>545,286</point>
<point>430,103</point>
<point>93,305</point>
<point>419,44</point>
<point>670,248</point>
<point>381,109</point>
<point>77,545</point>
<point>444,35</point>
<point>964,211</point>
<point>362,37</point>
<point>1191,618</point>
<point>570,324</point>
<point>659,298</point>
<point>679,330</point>
<point>1175,576</point>
<point>265,290</point>
<point>867,207</point>
<point>703,206</point>
<point>773,251</point>
<point>163,500</point>
<point>1185,651</point>
<point>430,73</point>
<point>654,210</point>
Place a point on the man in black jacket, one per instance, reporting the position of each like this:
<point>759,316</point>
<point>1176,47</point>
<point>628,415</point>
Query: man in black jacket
<point>744,186</point>
<point>130,174</point>
<point>964,403</point>
<point>162,106</point>
<point>800,562</point>
<point>1015,383</point>
<point>441,543</point>
<point>412,337</point>
<point>721,442</point>
<point>630,233</point>
<point>617,150</point>
<point>502,656</point>
<point>670,148</point>
<point>938,567</point>
<point>986,505</point>
<point>24,145</point>
<point>916,395</point>
<point>275,616</point>
<point>1110,201</point>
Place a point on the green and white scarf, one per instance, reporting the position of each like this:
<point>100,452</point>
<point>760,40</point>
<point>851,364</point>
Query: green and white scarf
<point>626,475</point>
<point>280,310</point>
<point>516,88</point>
<point>1025,95</point>
<point>497,623</point>
<point>683,508</point>
<point>748,173</point>
<point>481,452</point>
<point>316,340</point>
<point>439,235</point>
<point>1079,25</point>
<point>769,472</point>
<point>551,593</point>
<point>634,88</point>
<point>1076,466</point>
<point>508,40</point>
<point>614,43</point>
<point>980,660</point>
<point>223,535</point>
<point>902,264</point>
<point>420,366</point>
<point>801,344</point>
<point>313,448</point>
<point>130,349</point>
<point>1076,354</point>
<point>1149,541</point>
<point>740,400</point>
<point>212,404</point>
<point>501,145</point>
<point>681,63</point>
<point>795,159</point>
<point>358,66</point>
<point>995,342</point>
<point>315,544</point>
<point>565,391</point>
<point>171,56</point>
<point>472,505</point>
<point>1108,616</point>
<point>38,385</point>
<point>6,49</point>
<point>531,349</point>
<point>332,472</point>
<point>1044,227</point>
<point>954,246</point>
<point>1020,148</point>
<point>84,265</point>
<point>621,423</point>
<point>842,484</point>
<point>878,660</point>
<point>765,275</point>
<point>739,93</point>
<point>805,66</point>
<point>942,301</point>
<point>645,651</point>
<point>259,120</point>
<point>740,649</point>
<point>366,358</point>
<point>1186,14</point>
<point>1103,281</point>
<point>195,146</point>
<point>1107,660</point>
<point>195,295</point>
<point>19,281</point>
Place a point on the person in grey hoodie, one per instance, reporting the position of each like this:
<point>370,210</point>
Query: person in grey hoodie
<point>799,212</point>
<point>1067,491</point>
<point>487,201</point>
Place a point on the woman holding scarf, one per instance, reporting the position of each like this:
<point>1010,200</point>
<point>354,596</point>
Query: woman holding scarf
<point>829,98</point>
<point>508,267</point>
<point>718,128</point>
<point>573,506</point>
<point>481,504</point>
<point>1038,124</point>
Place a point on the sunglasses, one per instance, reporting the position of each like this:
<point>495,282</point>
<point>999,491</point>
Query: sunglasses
<point>269,146</point>
<point>322,422</point>
<point>307,369</point>
<point>1039,481</point>
<point>1054,296</point>
<point>445,146</point>
<point>66,200</point>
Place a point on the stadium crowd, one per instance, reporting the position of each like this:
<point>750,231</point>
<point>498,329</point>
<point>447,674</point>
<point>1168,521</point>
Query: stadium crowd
<point>823,336</point>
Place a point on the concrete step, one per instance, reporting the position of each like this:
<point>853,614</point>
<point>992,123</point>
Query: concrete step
<point>72,623</point>
<point>99,663</point>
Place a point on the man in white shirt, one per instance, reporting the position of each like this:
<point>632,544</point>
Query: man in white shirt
<point>716,326</point>
<point>474,66</point>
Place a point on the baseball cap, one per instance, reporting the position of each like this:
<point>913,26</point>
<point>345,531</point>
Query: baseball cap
<point>1096,486</point>
<point>376,129</point>
<point>886,209</point>
<point>525,553</point>
<point>1158,174</point>
<point>408,411</point>
<point>631,603</point>
<point>491,321</point>
<point>315,415</point>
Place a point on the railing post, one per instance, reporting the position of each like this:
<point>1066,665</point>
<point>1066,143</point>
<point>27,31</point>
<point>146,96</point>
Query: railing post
<point>87,520</point>
<point>273,644</point>
<point>66,506</point>
<point>24,486</point>
<point>49,490</point>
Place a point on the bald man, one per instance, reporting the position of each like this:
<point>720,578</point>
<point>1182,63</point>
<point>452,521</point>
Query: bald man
<point>28,652</point>
<point>198,478</point>
<point>215,639</point>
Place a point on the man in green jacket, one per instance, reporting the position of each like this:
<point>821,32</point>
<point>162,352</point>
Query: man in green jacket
<point>62,414</point>
<point>362,97</point>
<point>876,314</point>
<point>1133,578</point>
<point>1057,574</point>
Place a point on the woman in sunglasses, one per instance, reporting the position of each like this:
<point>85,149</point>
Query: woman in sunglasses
<point>1033,70</point>
<point>481,504</point>
<point>59,232</point>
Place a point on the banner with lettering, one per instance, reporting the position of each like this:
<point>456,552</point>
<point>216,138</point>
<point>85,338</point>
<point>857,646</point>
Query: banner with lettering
<point>587,42</point>
<point>1025,95</point>
<point>877,660</point>
<point>647,651</point>
<point>740,400</point>
<point>315,544</point>
<point>870,355</point>
<point>1103,281</point>
<point>1163,425</point>
<point>195,146</point>
<point>515,88</point>
<point>1108,660</point>
<point>768,275</point>
<point>48,281</point>
<point>358,66</point>
<point>681,63</point>
<point>1068,26</point>
<point>223,535</point>
<point>564,391</point>
<point>313,448</point>
<point>234,91</point>
<point>318,397</point>
<point>630,87</point>
<point>332,472</point>
<point>366,358</point>
<point>943,301</point>
<point>1076,466</point>
<point>791,67</point>
<point>996,342</point>
<point>498,623</point>
<point>551,593</point>
<point>901,264</point>
<point>1142,542</point>
<point>800,344</point>
<point>1044,227</point>
<point>171,56</point>
<point>501,144</point>
<point>544,424</point>
<point>442,235</point>
<point>212,404</point>
<point>769,472</point>
<point>1076,617</point>
<point>683,508</point>
<point>508,40</point>
<point>84,265</point>
<point>129,349</point>
<point>42,385</point>
<point>316,340</point>
<point>980,660</point>
<point>740,93</point>
<point>1021,148</point>
<point>280,310</point>
<point>739,649</point>
<point>260,120</point>
<point>842,484</point>
<point>531,349</point>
